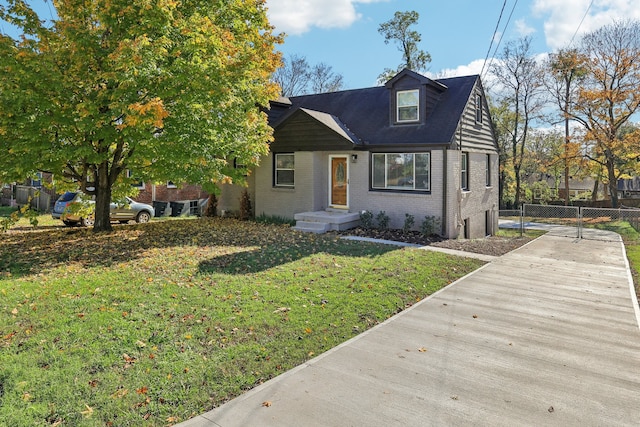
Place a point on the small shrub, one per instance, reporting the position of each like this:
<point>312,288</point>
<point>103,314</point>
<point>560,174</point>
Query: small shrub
<point>430,226</point>
<point>6,222</point>
<point>409,221</point>
<point>274,219</point>
<point>245,206</point>
<point>212,206</point>
<point>366,220</point>
<point>383,220</point>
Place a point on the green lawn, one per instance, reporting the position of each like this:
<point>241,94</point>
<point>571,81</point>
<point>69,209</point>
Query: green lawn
<point>156,323</point>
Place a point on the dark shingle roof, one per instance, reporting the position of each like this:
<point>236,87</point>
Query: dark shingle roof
<point>366,113</point>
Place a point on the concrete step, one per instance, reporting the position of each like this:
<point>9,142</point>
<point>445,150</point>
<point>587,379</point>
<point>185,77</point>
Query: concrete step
<point>311,227</point>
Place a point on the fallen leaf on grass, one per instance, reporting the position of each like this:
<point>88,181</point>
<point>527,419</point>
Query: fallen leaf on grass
<point>87,412</point>
<point>120,393</point>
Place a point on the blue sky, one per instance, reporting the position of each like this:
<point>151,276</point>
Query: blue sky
<point>457,33</point>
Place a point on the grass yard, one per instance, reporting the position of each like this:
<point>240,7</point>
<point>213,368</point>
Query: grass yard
<point>156,323</point>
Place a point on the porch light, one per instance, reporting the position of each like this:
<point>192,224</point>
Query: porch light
<point>354,158</point>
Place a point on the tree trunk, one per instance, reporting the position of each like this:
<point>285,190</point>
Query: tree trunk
<point>516,171</point>
<point>613,183</point>
<point>103,200</point>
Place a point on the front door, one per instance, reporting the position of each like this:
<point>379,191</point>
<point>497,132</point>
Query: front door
<point>339,183</point>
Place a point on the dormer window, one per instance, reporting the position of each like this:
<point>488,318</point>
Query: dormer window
<point>407,102</point>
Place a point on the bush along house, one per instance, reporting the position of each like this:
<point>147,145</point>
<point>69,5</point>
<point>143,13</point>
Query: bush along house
<point>414,147</point>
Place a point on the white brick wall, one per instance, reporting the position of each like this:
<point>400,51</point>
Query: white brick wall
<point>396,204</point>
<point>479,199</point>
<point>311,192</point>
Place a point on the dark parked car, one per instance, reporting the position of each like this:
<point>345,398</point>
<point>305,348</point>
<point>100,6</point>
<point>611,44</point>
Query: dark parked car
<point>123,211</point>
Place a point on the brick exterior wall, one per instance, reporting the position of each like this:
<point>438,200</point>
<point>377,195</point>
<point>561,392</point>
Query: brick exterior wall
<point>478,207</point>
<point>162,193</point>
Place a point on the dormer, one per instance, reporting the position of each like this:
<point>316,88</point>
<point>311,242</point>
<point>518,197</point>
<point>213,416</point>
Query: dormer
<point>412,97</point>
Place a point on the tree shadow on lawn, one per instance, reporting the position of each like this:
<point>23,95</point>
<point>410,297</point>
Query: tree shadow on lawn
<point>273,255</point>
<point>25,253</point>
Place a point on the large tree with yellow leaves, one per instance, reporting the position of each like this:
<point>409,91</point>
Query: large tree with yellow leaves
<point>169,90</point>
<point>608,98</point>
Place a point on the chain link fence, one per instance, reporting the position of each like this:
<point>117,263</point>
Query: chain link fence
<point>570,221</point>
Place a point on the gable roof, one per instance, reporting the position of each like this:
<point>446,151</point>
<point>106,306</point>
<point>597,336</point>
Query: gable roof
<point>333,123</point>
<point>365,118</point>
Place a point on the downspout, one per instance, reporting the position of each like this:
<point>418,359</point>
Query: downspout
<point>445,224</point>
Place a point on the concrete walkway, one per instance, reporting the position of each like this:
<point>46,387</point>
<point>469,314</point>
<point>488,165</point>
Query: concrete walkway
<point>545,335</point>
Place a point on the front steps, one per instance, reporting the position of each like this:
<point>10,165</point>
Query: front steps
<point>323,221</point>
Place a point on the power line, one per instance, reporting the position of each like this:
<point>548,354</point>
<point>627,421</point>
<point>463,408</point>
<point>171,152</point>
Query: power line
<point>493,37</point>
<point>581,21</point>
<point>501,35</point>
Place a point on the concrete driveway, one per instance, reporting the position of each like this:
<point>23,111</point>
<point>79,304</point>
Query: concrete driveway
<point>545,335</point>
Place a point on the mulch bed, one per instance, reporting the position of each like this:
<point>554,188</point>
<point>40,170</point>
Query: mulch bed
<point>493,245</point>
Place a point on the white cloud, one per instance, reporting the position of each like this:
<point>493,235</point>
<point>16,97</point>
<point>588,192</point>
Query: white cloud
<point>562,18</point>
<point>475,67</point>
<point>523,28</point>
<point>299,16</point>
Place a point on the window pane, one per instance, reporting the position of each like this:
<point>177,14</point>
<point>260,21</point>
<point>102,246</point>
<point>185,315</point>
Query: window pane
<point>422,172</point>
<point>401,171</point>
<point>407,113</point>
<point>284,161</point>
<point>284,177</point>
<point>407,98</point>
<point>394,169</point>
<point>378,171</point>
<point>284,170</point>
<point>464,171</point>
<point>406,178</point>
<point>407,105</point>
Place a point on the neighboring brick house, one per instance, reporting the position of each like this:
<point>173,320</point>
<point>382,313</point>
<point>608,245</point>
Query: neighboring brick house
<point>162,196</point>
<point>415,146</point>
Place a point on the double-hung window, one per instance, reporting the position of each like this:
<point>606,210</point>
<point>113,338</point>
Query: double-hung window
<point>407,105</point>
<point>478,109</point>
<point>464,172</point>
<point>488,170</point>
<point>284,167</point>
<point>401,171</point>
<point>139,184</point>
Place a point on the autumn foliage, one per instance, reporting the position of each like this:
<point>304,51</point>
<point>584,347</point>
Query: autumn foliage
<point>163,89</point>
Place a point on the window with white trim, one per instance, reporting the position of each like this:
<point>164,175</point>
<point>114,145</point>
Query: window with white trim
<point>401,171</point>
<point>479,109</point>
<point>464,171</point>
<point>37,181</point>
<point>171,184</point>
<point>139,184</point>
<point>284,168</point>
<point>488,171</point>
<point>407,105</point>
